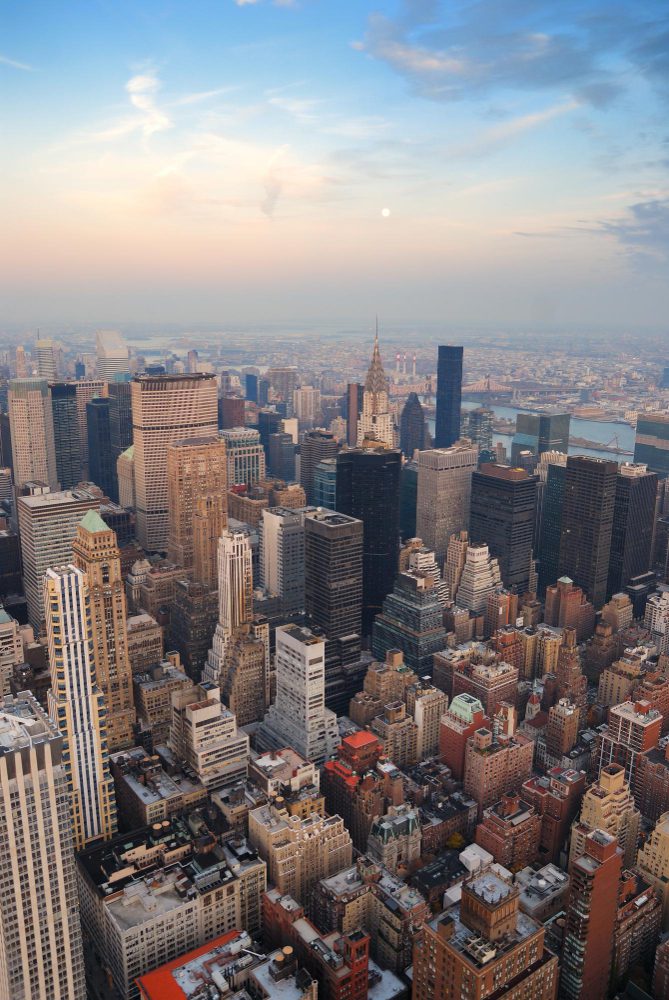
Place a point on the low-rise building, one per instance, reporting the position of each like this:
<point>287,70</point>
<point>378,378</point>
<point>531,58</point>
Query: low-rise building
<point>510,831</point>
<point>147,794</point>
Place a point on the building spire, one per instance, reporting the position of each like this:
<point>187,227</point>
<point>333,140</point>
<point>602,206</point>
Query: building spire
<point>376,377</point>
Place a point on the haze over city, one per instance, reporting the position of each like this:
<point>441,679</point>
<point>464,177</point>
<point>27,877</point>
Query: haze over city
<point>486,165</point>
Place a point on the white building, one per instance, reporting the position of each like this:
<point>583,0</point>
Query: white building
<point>113,357</point>
<point>480,577</point>
<point>657,619</point>
<point>298,718</point>
<point>282,556</point>
<point>31,426</point>
<point>41,957</point>
<point>76,705</point>
<point>246,456</point>
<point>307,405</point>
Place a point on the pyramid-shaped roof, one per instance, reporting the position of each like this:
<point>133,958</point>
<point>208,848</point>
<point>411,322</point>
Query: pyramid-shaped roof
<point>91,521</point>
<point>376,377</point>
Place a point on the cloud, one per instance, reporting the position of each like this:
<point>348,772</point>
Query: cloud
<point>303,109</point>
<point>505,131</point>
<point>643,231</point>
<point>460,50</point>
<point>142,90</point>
<point>15,64</point>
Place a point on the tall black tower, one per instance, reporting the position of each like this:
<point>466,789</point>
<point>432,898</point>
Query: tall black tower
<point>368,487</point>
<point>449,396</point>
<point>413,429</point>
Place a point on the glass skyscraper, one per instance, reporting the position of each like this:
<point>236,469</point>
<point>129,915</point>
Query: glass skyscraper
<point>449,396</point>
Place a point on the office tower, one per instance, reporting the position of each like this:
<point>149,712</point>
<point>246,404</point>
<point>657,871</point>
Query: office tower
<point>283,379</point>
<point>633,524</point>
<point>76,704</point>
<point>503,505</point>
<point>125,474</point>
<point>20,363</point>
<point>540,432</point>
<point>66,433</point>
<point>608,805</point>
<point>354,393</point>
<point>41,953</point>
<point>31,424</point>
<point>550,527</point>
<point>333,572</point>
<point>231,412</point>
<point>165,409</point>
<point>591,916</point>
<point>298,718</point>
<point>408,499</point>
<point>566,606</point>
<point>417,557</point>
<point>411,619</point>
<point>282,556</point>
<point>281,456</point>
<point>376,421</point>
<point>269,422</point>
<point>47,366</point>
<point>444,494</point>
<point>112,355</point>
<point>449,393</point>
<point>95,553</point>
<point>480,577</point>
<point>478,427</point>
<point>235,597</point>
<point>368,481</point>
<point>85,391</point>
<point>196,472</point>
<point>48,523</point>
<point>245,681</point>
<point>307,405</point>
<point>325,484</point>
<point>413,428</point>
<point>484,939</point>
<point>204,734</point>
<point>101,463</point>
<point>315,447</point>
<point>251,387</point>
<point>192,362</point>
<point>246,456</point>
<point>120,416</point>
<point>587,523</point>
<point>652,442</point>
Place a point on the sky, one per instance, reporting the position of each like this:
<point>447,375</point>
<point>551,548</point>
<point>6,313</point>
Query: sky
<point>491,164</point>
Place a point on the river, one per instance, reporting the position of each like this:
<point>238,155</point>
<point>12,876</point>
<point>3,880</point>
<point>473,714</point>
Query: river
<point>591,430</point>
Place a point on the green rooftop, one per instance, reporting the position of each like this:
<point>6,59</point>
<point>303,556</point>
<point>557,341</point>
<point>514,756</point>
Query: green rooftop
<point>92,522</point>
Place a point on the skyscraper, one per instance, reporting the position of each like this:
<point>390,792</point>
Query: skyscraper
<point>478,427</point>
<point>101,461</point>
<point>41,955</point>
<point>282,556</point>
<point>246,456</point>
<point>540,432</point>
<point>444,494</point>
<point>76,705</point>
<point>298,718</point>
<point>31,423</point>
<point>411,619</point>
<point>587,523</point>
<point>652,442</point>
<point>353,409</point>
<point>196,472</point>
<point>165,408</point>
<point>120,416</point>
<point>368,481</point>
<point>96,554</point>
<point>47,366</point>
<point>48,523</point>
<point>633,524</point>
<point>112,354</point>
<point>315,446</point>
<point>449,396</point>
<point>376,421</point>
<point>325,484</point>
<point>235,596</point>
<point>502,514</point>
<point>413,429</point>
<point>552,472</point>
<point>591,916</point>
<point>333,572</point>
<point>86,390</point>
<point>66,433</point>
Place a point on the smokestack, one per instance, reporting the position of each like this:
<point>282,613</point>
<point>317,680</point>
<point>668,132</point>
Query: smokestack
<point>413,372</point>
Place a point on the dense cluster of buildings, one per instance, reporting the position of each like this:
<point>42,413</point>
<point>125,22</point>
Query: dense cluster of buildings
<point>342,712</point>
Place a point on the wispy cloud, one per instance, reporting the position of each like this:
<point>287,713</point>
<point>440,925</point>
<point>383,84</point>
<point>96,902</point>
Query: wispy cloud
<point>142,90</point>
<point>643,231</point>
<point>303,109</point>
<point>503,133</point>
<point>15,64</point>
<point>198,97</point>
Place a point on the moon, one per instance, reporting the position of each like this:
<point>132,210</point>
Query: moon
<point>385,212</point>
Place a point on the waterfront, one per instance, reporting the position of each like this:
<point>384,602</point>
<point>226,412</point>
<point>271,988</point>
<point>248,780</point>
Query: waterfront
<point>592,430</point>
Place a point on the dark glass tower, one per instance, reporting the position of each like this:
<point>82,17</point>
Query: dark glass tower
<point>66,433</point>
<point>502,514</point>
<point>101,465</point>
<point>120,417</point>
<point>315,446</point>
<point>540,432</point>
<point>354,393</point>
<point>587,524</point>
<point>548,546</point>
<point>368,487</point>
<point>333,572</point>
<point>449,396</point>
<point>652,442</point>
<point>408,499</point>
<point>413,429</point>
<point>633,523</point>
<point>251,387</point>
<point>269,422</point>
<point>282,457</point>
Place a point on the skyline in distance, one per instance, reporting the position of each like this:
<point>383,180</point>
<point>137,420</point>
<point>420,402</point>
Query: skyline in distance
<point>477,164</point>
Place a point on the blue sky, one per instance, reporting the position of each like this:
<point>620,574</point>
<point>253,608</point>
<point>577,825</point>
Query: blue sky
<point>481,164</point>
